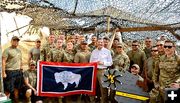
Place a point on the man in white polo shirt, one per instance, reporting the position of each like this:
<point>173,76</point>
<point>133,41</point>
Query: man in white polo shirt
<point>103,57</point>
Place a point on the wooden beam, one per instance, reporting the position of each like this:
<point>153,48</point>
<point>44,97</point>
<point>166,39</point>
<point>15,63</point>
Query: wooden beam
<point>136,29</point>
<point>173,33</point>
<point>155,28</point>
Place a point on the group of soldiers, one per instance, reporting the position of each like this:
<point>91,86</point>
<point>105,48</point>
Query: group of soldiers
<point>158,63</point>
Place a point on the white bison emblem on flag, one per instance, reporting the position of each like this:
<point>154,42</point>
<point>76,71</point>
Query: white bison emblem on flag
<point>66,77</point>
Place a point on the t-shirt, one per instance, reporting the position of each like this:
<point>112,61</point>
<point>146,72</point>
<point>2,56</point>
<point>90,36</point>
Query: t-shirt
<point>32,76</point>
<point>35,53</point>
<point>14,58</point>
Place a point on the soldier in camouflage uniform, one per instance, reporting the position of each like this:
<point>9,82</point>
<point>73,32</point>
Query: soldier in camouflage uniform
<point>76,36</point>
<point>121,62</point>
<point>68,54</point>
<point>160,46</point>
<point>46,49</point>
<point>46,55</point>
<point>167,69</point>
<point>115,42</point>
<point>57,53</point>
<point>136,56</point>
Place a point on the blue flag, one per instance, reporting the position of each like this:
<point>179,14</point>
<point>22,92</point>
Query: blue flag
<point>62,79</point>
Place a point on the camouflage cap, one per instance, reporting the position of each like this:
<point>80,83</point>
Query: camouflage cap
<point>119,45</point>
<point>37,40</point>
<point>136,66</point>
<point>84,43</point>
<point>15,38</point>
<point>32,63</point>
<point>106,38</point>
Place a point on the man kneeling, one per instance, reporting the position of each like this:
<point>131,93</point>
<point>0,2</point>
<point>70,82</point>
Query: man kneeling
<point>30,80</point>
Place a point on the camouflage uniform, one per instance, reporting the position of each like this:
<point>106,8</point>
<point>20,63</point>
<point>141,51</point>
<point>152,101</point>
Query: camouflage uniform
<point>167,71</point>
<point>46,51</point>
<point>121,62</point>
<point>161,53</point>
<point>92,47</point>
<point>56,55</point>
<point>150,68</point>
<point>137,57</point>
<point>68,56</point>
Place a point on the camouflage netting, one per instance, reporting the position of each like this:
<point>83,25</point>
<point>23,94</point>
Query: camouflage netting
<point>91,15</point>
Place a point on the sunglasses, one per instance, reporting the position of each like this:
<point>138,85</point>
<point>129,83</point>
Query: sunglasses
<point>134,45</point>
<point>169,47</point>
<point>119,47</point>
<point>154,50</point>
<point>147,41</point>
<point>159,45</point>
<point>133,67</point>
<point>38,42</point>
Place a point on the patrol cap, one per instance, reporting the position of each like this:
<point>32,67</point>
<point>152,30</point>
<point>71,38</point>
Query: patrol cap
<point>32,63</point>
<point>106,38</point>
<point>37,40</point>
<point>136,66</point>
<point>119,45</point>
<point>15,38</point>
<point>161,42</point>
<point>84,43</point>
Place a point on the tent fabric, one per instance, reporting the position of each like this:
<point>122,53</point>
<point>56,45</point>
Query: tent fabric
<point>78,15</point>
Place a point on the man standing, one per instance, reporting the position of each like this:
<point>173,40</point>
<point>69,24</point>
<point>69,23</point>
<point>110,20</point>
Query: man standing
<point>121,62</point>
<point>57,53</point>
<point>92,45</point>
<point>34,53</point>
<point>83,56</point>
<point>115,43</point>
<point>46,48</point>
<point>120,59</point>
<point>136,56</point>
<point>147,49</point>
<point>160,46</point>
<point>149,67</point>
<point>103,58</point>
<point>167,69</point>
<point>12,69</point>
